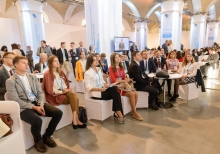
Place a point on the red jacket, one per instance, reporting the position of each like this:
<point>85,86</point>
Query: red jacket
<point>47,85</point>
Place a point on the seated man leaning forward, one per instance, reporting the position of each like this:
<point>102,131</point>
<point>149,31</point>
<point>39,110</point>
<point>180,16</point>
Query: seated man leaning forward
<point>25,89</point>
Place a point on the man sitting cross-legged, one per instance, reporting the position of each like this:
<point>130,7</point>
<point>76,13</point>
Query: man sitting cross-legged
<point>25,89</point>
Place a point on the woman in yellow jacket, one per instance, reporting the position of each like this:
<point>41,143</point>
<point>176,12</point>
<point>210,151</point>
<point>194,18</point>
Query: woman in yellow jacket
<point>80,67</point>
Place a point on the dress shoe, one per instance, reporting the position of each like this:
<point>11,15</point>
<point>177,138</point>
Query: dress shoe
<point>176,96</point>
<point>74,126</point>
<point>169,94</point>
<point>159,104</point>
<point>153,107</point>
<point>40,147</point>
<point>49,142</point>
<point>173,99</point>
<point>82,126</point>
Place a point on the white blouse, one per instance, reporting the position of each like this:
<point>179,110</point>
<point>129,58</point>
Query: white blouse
<point>83,62</point>
<point>58,84</point>
<point>93,79</point>
<point>190,69</point>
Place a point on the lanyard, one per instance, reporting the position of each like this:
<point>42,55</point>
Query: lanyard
<point>60,85</point>
<point>98,84</point>
<point>186,69</point>
<point>84,64</point>
<point>26,89</point>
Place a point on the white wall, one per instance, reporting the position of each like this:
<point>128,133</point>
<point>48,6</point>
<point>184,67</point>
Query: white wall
<point>57,33</point>
<point>9,32</point>
<point>131,35</point>
<point>77,18</point>
<point>52,15</point>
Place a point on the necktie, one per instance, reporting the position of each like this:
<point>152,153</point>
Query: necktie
<point>11,73</point>
<point>125,68</point>
<point>159,64</point>
<point>44,66</point>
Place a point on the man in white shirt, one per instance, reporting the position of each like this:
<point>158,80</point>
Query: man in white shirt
<point>6,71</point>
<point>63,58</point>
<point>25,89</point>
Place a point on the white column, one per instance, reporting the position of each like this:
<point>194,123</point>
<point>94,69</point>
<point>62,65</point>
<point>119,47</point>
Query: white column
<point>31,23</point>
<point>141,35</point>
<point>212,33</point>
<point>171,22</point>
<point>103,23</point>
<point>197,31</point>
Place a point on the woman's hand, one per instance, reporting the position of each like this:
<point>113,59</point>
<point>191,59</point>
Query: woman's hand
<point>128,80</point>
<point>106,85</point>
<point>102,89</point>
<point>184,76</point>
<point>65,91</point>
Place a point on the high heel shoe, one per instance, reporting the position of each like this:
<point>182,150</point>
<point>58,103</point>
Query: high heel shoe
<point>75,126</point>
<point>119,120</point>
<point>82,126</point>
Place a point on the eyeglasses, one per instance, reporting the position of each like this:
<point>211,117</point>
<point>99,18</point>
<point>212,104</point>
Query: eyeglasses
<point>9,57</point>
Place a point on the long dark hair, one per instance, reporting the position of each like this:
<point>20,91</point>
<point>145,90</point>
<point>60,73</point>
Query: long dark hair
<point>50,66</point>
<point>3,48</point>
<point>112,58</point>
<point>89,61</point>
<point>178,55</point>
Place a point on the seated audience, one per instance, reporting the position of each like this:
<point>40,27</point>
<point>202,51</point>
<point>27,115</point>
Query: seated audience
<point>183,52</point>
<point>196,55</point>
<point>212,61</point>
<point>42,66</point>
<point>124,62</point>
<point>29,55</point>
<point>25,89</point>
<point>147,65</point>
<point>44,49</point>
<point>57,90</point>
<point>6,71</point>
<point>162,53</point>
<point>142,84</point>
<point>81,67</point>
<point>189,70</point>
<point>173,65</point>
<point>179,56</point>
<point>117,74</point>
<point>94,83</point>
<point>100,65</point>
<point>160,62</point>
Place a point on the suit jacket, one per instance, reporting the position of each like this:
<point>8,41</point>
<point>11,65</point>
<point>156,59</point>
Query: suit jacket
<point>104,68</point>
<point>22,52</point>
<point>136,73</point>
<point>29,55</point>
<point>60,55</point>
<point>121,46</point>
<point>79,71</point>
<point>78,51</point>
<point>162,61</point>
<point>3,77</point>
<point>164,46</point>
<point>41,50</point>
<point>213,60</point>
<point>151,66</point>
<point>38,67</point>
<point>75,56</point>
<point>133,49</point>
<point>47,85</point>
<point>17,92</point>
<point>127,65</point>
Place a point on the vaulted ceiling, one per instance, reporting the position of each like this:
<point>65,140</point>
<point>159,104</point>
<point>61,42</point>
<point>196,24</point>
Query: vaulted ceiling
<point>142,7</point>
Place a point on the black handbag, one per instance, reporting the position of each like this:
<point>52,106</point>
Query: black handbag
<point>82,114</point>
<point>162,74</point>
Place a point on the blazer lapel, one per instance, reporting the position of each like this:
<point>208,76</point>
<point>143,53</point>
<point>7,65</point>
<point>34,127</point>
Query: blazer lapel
<point>18,80</point>
<point>30,79</point>
<point>6,72</point>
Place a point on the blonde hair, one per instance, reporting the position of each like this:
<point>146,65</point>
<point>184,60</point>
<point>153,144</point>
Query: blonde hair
<point>171,52</point>
<point>185,60</point>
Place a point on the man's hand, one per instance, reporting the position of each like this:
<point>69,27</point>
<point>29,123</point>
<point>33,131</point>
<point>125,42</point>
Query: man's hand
<point>39,109</point>
<point>36,71</point>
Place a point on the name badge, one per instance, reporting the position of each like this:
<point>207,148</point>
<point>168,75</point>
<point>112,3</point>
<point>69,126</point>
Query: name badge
<point>76,58</point>
<point>146,72</point>
<point>31,96</point>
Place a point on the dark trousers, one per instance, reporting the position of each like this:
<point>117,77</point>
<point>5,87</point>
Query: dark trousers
<point>153,93</point>
<point>204,69</point>
<point>30,116</point>
<point>74,67</point>
<point>169,83</point>
<point>31,65</point>
<point>112,93</point>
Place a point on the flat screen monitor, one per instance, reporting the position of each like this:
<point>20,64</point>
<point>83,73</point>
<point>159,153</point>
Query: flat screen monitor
<point>121,44</point>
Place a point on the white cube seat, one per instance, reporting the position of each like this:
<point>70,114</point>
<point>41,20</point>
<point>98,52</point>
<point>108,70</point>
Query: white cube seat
<point>188,91</point>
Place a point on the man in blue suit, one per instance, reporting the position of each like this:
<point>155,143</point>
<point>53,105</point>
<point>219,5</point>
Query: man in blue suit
<point>147,65</point>
<point>81,48</point>
<point>104,63</point>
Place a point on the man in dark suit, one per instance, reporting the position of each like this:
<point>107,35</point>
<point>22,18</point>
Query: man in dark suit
<point>124,62</point>
<point>133,47</point>
<point>142,83</point>
<point>147,65</point>
<point>6,71</point>
<point>42,66</point>
<point>81,48</point>
<point>104,63</point>
<point>165,47</point>
<point>25,89</point>
<point>160,62</point>
<point>74,56</point>
<point>22,51</point>
<point>64,59</point>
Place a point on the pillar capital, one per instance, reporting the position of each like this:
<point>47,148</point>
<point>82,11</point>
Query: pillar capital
<point>29,5</point>
<point>172,6</point>
<point>198,18</point>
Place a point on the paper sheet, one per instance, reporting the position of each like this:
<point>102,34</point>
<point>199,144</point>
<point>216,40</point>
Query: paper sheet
<point>3,128</point>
